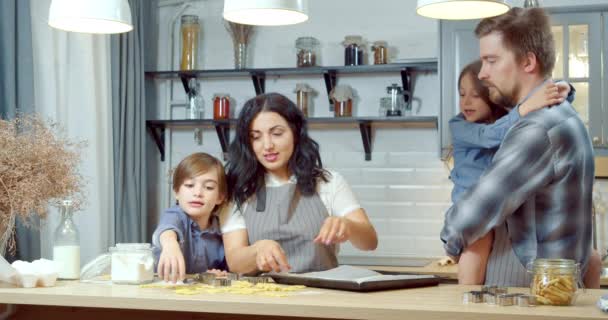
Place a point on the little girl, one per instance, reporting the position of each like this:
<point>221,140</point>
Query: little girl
<point>477,132</point>
<point>188,239</point>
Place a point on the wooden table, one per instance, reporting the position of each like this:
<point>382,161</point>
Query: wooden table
<point>73,300</point>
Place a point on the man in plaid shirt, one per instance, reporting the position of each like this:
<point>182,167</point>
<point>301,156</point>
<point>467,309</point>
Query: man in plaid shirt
<point>536,195</point>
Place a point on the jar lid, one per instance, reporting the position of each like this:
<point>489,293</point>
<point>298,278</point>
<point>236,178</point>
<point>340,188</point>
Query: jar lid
<point>379,43</point>
<point>221,95</point>
<point>352,39</point>
<point>394,87</point>
<point>302,87</point>
<point>307,42</point>
<point>342,93</point>
<point>189,19</point>
<point>131,247</point>
<point>545,264</point>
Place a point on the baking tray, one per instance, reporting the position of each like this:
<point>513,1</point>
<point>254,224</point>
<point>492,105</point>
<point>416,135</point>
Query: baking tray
<point>385,282</point>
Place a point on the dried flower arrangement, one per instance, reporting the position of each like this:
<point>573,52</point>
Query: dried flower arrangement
<point>38,167</point>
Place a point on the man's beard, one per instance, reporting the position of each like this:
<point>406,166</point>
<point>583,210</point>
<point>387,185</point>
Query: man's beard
<point>501,99</point>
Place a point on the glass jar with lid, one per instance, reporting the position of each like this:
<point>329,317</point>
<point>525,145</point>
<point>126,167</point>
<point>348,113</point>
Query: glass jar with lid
<point>132,263</point>
<point>307,51</point>
<point>342,97</point>
<point>380,49</point>
<point>555,281</point>
<point>190,30</point>
<point>303,93</point>
<point>221,106</point>
<point>353,50</point>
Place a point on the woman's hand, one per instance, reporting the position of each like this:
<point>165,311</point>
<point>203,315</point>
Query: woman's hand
<point>171,265</point>
<point>270,256</point>
<point>334,230</point>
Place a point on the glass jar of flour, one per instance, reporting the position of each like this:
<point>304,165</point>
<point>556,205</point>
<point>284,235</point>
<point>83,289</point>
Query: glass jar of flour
<point>66,244</point>
<point>132,263</point>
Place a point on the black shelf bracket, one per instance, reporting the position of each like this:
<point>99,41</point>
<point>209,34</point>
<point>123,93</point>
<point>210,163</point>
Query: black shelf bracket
<point>259,81</point>
<point>158,134</point>
<point>223,134</point>
<point>406,82</point>
<point>366,136</point>
<point>330,83</point>
<point>185,80</point>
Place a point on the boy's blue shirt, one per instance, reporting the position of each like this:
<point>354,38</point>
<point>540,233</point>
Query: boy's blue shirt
<point>202,249</point>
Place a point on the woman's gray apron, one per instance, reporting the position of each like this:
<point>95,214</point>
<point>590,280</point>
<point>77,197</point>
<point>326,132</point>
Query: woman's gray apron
<point>284,215</point>
<point>504,267</point>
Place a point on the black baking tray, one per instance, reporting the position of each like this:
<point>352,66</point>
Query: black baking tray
<point>400,281</point>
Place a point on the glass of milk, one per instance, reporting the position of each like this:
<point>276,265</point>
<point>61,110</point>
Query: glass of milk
<point>66,246</point>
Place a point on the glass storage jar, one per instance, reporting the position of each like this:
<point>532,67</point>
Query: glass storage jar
<point>342,98</point>
<point>221,106</point>
<point>132,263</point>
<point>380,49</point>
<point>307,51</point>
<point>190,30</point>
<point>554,281</point>
<point>66,244</point>
<point>353,50</point>
<point>303,93</point>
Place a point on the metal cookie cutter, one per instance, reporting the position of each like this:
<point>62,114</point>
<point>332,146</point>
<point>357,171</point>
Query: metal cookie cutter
<point>526,300</point>
<point>222,282</point>
<point>205,277</point>
<point>472,297</point>
<point>256,280</point>
<point>507,299</point>
<point>489,298</point>
<point>495,289</point>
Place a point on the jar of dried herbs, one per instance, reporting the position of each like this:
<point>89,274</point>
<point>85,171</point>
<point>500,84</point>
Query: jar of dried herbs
<point>380,49</point>
<point>307,51</point>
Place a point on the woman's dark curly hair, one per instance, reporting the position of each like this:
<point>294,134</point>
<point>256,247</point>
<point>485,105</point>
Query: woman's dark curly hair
<point>245,174</point>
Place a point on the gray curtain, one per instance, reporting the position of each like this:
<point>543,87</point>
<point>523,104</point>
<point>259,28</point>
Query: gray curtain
<point>129,121</point>
<point>17,92</point>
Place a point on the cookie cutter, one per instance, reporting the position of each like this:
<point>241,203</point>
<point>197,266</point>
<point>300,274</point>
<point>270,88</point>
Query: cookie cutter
<point>222,282</point>
<point>489,297</point>
<point>205,277</point>
<point>256,280</point>
<point>507,299</point>
<point>495,289</point>
<point>526,300</point>
<point>472,297</point>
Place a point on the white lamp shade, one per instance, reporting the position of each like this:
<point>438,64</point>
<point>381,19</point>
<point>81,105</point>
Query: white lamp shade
<point>461,9</point>
<point>91,16</point>
<point>266,12</point>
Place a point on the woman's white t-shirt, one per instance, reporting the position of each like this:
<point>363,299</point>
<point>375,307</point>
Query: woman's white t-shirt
<point>335,194</point>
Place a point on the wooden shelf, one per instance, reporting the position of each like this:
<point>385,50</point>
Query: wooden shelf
<point>157,128</point>
<point>330,74</point>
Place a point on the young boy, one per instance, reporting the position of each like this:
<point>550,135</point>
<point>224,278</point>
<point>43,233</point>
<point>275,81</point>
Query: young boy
<point>188,239</point>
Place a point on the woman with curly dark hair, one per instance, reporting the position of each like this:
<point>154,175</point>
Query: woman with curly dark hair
<point>287,212</point>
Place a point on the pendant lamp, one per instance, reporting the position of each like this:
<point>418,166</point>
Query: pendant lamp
<point>91,16</point>
<point>461,9</point>
<point>266,12</point>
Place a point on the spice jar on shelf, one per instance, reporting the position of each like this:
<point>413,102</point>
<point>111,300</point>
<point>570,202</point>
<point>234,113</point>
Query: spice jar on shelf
<point>397,101</point>
<point>195,108</point>
<point>380,49</point>
<point>221,106</point>
<point>554,281</point>
<point>303,94</point>
<point>307,51</point>
<point>342,96</point>
<point>353,50</point>
<point>190,31</point>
